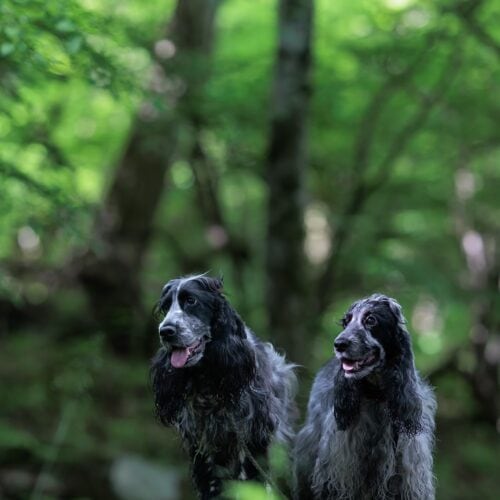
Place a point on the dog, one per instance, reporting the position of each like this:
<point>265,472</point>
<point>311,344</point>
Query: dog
<point>369,431</point>
<point>227,393</point>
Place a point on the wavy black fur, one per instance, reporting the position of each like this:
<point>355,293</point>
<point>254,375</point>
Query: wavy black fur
<point>369,428</point>
<point>235,401</point>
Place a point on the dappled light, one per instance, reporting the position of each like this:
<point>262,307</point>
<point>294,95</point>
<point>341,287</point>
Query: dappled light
<point>309,153</point>
<point>318,239</point>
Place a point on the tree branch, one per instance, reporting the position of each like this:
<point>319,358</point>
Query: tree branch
<point>369,123</point>
<point>402,139</point>
<point>57,195</point>
<point>365,188</point>
<point>466,11</point>
<point>211,210</point>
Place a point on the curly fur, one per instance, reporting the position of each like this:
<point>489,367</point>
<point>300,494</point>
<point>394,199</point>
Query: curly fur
<point>369,431</point>
<point>235,400</point>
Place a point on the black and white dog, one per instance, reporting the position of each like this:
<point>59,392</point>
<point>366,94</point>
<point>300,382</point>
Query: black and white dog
<point>228,394</point>
<point>370,423</point>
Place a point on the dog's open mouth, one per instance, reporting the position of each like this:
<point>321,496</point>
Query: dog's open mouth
<point>356,365</point>
<point>181,355</point>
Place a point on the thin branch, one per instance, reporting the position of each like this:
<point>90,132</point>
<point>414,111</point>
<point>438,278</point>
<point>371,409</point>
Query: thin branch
<point>484,37</point>
<point>206,182</point>
<point>406,134</point>
<point>364,189</point>
<point>211,210</point>
<point>201,37</point>
<point>466,11</point>
<point>369,123</point>
<point>10,171</point>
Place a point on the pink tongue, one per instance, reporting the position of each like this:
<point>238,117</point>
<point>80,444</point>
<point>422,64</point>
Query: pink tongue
<point>349,366</point>
<point>179,357</point>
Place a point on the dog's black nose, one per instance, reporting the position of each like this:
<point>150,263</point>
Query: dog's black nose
<point>341,345</point>
<point>167,332</point>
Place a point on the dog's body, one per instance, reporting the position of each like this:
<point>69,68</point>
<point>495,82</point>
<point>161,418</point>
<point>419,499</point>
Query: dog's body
<point>227,393</point>
<point>370,423</point>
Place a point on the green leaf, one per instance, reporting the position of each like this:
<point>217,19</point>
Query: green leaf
<point>12,32</point>
<point>6,48</point>
<point>74,44</point>
<point>65,26</point>
<point>249,490</point>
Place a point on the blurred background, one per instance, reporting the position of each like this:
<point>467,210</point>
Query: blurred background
<point>310,152</point>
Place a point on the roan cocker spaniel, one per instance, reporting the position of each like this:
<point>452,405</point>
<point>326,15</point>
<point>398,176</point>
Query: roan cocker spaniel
<point>370,422</point>
<point>227,393</point>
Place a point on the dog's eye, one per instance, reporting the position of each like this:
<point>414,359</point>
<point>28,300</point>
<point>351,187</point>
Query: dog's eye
<point>370,320</point>
<point>190,300</point>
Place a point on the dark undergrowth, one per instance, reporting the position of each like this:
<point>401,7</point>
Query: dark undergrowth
<point>71,410</point>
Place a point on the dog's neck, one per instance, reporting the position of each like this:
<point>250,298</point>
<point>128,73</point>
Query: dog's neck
<point>372,387</point>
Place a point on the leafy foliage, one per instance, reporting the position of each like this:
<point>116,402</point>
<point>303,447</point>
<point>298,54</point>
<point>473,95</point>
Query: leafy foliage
<point>402,198</point>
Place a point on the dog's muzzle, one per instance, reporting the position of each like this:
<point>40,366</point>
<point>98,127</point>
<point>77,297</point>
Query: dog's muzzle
<point>354,356</point>
<point>182,354</point>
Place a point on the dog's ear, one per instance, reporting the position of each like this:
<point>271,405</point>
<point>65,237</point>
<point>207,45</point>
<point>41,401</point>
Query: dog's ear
<point>396,339</point>
<point>405,404</point>
<point>396,310</point>
<point>402,386</point>
<point>220,280</point>
<point>214,285</point>
<point>231,357</point>
<point>226,320</point>
<point>232,366</point>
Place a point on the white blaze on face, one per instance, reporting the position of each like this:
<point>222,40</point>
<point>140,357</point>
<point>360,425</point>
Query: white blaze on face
<point>174,313</point>
<point>186,336</point>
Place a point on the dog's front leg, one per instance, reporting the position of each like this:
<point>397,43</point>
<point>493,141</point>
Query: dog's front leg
<point>208,485</point>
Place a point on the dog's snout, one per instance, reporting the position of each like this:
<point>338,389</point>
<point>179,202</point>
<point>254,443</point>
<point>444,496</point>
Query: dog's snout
<point>168,332</point>
<point>341,344</point>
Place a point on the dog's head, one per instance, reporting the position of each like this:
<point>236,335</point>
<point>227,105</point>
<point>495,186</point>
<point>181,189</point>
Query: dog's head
<point>373,335</point>
<point>187,308</point>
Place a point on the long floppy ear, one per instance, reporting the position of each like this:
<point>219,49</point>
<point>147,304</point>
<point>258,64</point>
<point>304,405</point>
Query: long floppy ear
<point>226,320</point>
<point>347,401</point>
<point>232,367</point>
<point>230,356</point>
<point>169,388</point>
<point>396,309</point>
<point>403,335</point>
<point>405,403</point>
<point>210,284</point>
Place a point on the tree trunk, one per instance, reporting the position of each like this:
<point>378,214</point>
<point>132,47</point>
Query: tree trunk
<point>110,270</point>
<point>286,280</point>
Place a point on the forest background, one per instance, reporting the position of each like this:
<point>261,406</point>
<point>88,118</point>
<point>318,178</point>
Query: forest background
<point>311,152</point>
